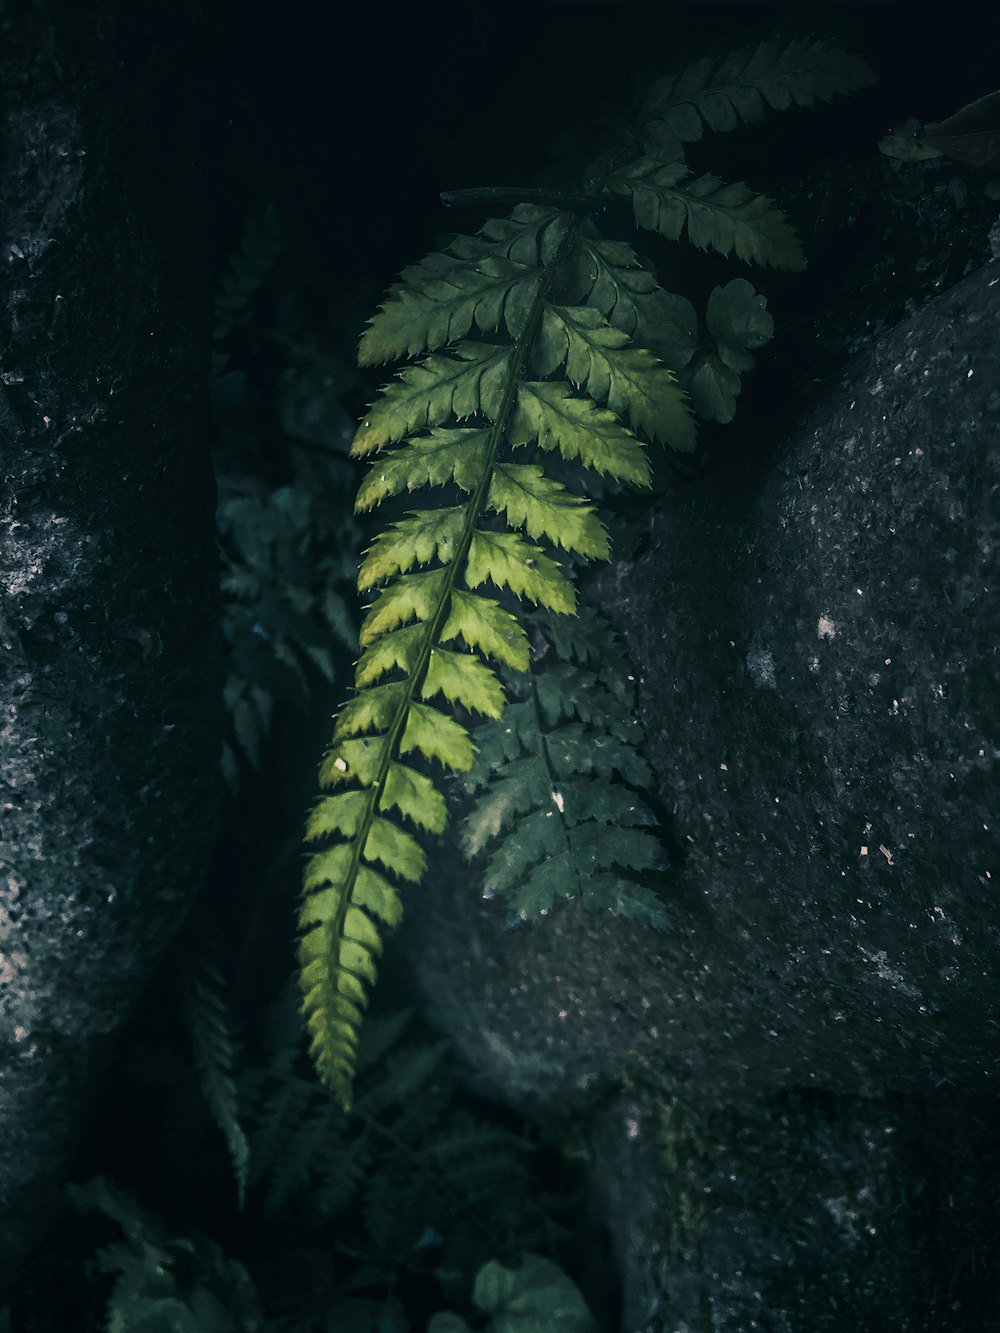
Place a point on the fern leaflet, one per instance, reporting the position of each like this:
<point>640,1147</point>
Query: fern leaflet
<point>719,217</point>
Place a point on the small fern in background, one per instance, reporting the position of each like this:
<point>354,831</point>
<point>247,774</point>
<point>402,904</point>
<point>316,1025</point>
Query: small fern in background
<point>201,990</point>
<point>548,358</point>
<point>349,1220</point>
<point>252,261</point>
<point>556,781</point>
<point>287,572</point>
<point>421,1170</point>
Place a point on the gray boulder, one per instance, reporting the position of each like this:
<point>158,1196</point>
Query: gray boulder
<point>818,682</point>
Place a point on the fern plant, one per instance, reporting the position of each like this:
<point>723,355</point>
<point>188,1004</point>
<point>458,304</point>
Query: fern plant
<point>186,1284</point>
<point>287,568</point>
<point>201,991</point>
<point>420,1169</point>
<point>547,357</point>
<point>563,773</point>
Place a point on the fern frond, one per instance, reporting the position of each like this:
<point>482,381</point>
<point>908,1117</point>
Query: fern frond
<point>313,1132</point>
<point>213,1044</point>
<point>722,94</point>
<point>274,1131</point>
<point>440,575</point>
<point>258,252</point>
<point>467,1173</point>
<point>285,567</point>
<point>166,1283</point>
<point>306,1151</point>
<point>717,216</point>
<point>501,439</point>
<point>552,809</point>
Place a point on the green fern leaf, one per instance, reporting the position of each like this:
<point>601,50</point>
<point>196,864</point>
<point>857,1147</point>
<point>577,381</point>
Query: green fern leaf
<point>507,561</point>
<point>414,795</point>
<point>463,679</point>
<point>442,298</point>
<point>431,733</point>
<point>348,760</point>
<point>467,379</point>
<point>550,414</point>
<point>601,359</point>
<point>397,650</point>
<point>532,234</point>
<point>416,540</point>
<point>740,88</point>
<point>552,801</point>
<point>415,598</point>
<point>418,566</point>
<point>609,276</point>
<point>720,217</point>
<point>485,626</point>
<point>432,460</point>
<point>544,508</point>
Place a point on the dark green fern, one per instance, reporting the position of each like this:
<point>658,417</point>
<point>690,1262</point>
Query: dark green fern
<point>557,782</point>
<point>412,1169</point>
<point>161,1282</point>
<point>547,359</point>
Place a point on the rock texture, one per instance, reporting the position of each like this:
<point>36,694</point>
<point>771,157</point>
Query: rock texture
<point>818,678</point>
<point>109,732</point>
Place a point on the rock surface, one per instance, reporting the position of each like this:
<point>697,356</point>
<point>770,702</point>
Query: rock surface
<point>818,680</point>
<point>109,732</point>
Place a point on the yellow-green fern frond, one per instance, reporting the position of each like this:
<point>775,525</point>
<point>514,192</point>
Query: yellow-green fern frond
<point>448,577</point>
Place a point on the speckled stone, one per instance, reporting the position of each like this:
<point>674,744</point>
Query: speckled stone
<point>109,646</point>
<point>818,681</point>
<point>817,678</point>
